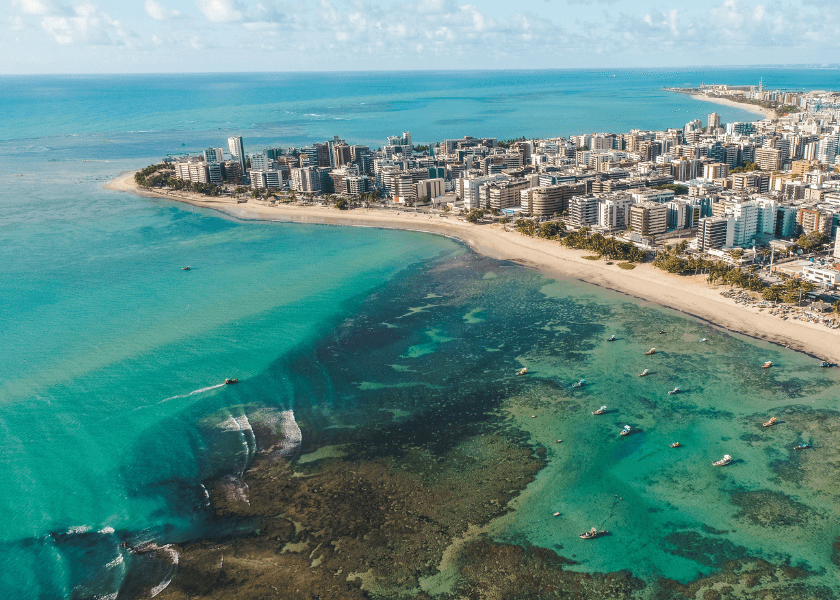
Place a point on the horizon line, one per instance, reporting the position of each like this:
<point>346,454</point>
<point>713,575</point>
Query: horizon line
<point>812,66</point>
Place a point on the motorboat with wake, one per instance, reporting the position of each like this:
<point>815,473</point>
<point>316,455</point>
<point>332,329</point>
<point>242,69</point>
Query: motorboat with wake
<point>723,461</point>
<point>600,411</point>
<point>230,381</point>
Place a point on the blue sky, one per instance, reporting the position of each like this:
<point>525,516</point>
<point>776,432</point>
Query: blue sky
<point>106,36</point>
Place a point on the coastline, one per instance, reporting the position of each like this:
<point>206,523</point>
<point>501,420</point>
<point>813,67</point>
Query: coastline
<point>688,294</point>
<point>766,113</point>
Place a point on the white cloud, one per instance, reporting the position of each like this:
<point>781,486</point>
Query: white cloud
<point>88,25</point>
<point>159,12</point>
<point>31,7</point>
<point>220,11</point>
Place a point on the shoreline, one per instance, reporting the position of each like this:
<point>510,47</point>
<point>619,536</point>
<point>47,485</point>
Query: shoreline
<point>766,113</point>
<point>690,295</point>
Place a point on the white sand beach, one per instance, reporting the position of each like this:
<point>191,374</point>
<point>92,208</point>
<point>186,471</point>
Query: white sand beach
<point>689,294</point>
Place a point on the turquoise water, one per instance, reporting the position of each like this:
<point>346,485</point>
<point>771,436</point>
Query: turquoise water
<point>112,416</point>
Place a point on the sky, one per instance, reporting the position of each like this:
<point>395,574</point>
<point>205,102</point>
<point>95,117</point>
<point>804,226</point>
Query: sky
<point>149,36</point>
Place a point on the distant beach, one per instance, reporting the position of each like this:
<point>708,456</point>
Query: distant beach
<point>766,113</point>
<point>688,294</point>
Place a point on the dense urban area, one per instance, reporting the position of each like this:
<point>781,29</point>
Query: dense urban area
<point>754,205</point>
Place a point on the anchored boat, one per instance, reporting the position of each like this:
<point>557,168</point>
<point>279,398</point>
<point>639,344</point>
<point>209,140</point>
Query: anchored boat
<point>770,423</point>
<point>592,534</point>
<point>676,390</point>
<point>580,383</point>
<point>723,461</point>
<point>625,431</point>
<point>644,373</point>
<point>651,351</point>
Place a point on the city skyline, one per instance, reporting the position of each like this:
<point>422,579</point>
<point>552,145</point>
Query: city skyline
<point>59,36</point>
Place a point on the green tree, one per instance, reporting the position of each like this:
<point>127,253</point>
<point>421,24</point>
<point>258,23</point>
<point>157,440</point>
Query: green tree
<point>811,241</point>
<point>341,204</point>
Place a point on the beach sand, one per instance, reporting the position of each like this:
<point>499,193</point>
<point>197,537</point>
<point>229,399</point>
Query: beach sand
<point>766,113</point>
<point>688,294</point>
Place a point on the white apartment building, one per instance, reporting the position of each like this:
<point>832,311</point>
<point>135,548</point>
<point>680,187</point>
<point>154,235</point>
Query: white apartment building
<point>306,179</point>
<point>613,212</point>
<point>266,179</point>
<point>648,195</point>
<point>745,218</point>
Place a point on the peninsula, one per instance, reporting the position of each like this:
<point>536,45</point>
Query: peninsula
<point>679,217</point>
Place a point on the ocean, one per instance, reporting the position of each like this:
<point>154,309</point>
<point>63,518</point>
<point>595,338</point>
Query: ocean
<point>372,360</point>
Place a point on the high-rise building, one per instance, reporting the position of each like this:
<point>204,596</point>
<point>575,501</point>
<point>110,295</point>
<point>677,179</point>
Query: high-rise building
<point>583,211</point>
<point>306,179</point>
<point>214,155</point>
<point>714,121</point>
<point>714,233</point>
<point>506,194</point>
<point>810,220</point>
<point>837,245</point>
<point>266,179</point>
<point>614,210</point>
<point>649,218</point>
<point>768,159</point>
<point>237,150</point>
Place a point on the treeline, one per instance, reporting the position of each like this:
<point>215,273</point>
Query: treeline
<point>160,175</point>
<point>608,247</point>
<point>720,272</point>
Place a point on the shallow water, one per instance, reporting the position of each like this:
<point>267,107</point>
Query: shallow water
<point>365,346</point>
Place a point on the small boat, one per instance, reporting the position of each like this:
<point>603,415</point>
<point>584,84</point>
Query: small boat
<point>676,390</point>
<point>676,445</point>
<point>600,411</point>
<point>580,383</point>
<point>591,534</point>
<point>230,381</point>
<point>186,268</point>
<point>767,365</point>
<point>825,364</point>
<point>723,461</point>
<point>522,371</point>
<point>704,340</point>
<point>661,331</point>
<point>625,431</point>
<point>651,351</point>
<point>611,338</point>
<point>801,447</point>
<point>771,422</point>
<point>557,514</point>
<point>644,373</point>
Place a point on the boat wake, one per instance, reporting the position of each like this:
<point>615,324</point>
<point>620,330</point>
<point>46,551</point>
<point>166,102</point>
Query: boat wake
<point>194,392</point>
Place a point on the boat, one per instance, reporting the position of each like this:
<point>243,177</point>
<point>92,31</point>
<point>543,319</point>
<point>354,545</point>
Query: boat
<point>644,373</point>
<point>825,364</point>
<point>661,331</point>
<point>771,422</point>
<point>801,447</point>
<point>767,365</point>
<point>625,431</point>
<point>704,340</point>
<point>580,383</point>
<point>600,411</point>
<point>676,390</point>
<point>186,268</point>
<point>591,534</point>
<point>723,461</point>
<point>229,381</point>
<point>651,351</point>
<point>676,445</point>
<point>611,338</point>
<point>522,371</point>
